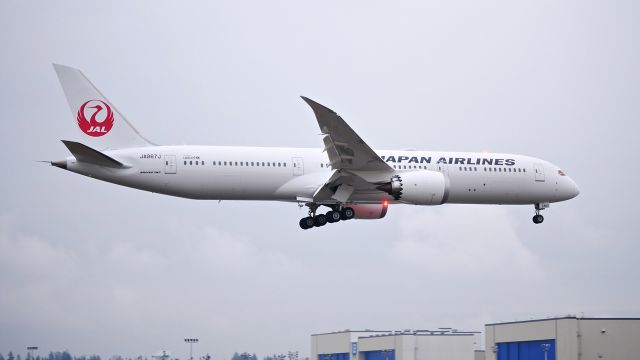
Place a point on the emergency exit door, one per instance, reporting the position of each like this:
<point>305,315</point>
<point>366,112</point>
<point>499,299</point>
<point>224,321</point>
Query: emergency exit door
<point>539,169</point>
<point>298,166</point>
<point>170,166</point>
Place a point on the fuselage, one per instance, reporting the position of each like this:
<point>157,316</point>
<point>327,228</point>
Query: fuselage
<point>292,174</point>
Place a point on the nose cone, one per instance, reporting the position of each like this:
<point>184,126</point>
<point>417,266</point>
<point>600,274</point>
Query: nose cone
<point>571,189</point>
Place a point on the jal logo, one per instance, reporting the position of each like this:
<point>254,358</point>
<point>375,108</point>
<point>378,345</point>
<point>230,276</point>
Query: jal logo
<point>95,118</point>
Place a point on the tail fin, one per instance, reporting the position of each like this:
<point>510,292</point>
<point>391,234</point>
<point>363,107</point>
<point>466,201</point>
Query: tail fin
<point>100,123</point>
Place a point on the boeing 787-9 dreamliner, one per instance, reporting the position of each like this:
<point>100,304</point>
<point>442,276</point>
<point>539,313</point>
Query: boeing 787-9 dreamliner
<point>345,175</point>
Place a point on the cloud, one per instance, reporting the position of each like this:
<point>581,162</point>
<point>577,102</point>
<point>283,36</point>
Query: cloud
<point>472,242</point>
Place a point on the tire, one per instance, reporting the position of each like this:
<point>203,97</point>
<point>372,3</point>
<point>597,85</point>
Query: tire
<point>306,223</point>
<point>348,213</point>
<point>319,220</point>
<point>537,219</point>
<point>333,216</point>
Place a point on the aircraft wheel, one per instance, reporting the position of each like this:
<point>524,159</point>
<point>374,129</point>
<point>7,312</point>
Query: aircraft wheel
<point>306,223</point>
<point>538,219</point>
<point>333,216</point>
<point>347,213</point>
<point>319,220</point>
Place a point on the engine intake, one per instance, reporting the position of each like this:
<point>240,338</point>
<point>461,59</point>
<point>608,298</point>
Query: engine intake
<point>418,187</point>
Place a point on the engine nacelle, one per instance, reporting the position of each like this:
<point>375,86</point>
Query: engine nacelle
<point>369,211</point>
<point>418,187</point>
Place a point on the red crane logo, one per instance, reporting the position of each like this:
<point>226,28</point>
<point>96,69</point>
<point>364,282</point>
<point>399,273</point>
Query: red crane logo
<point>95,118</point>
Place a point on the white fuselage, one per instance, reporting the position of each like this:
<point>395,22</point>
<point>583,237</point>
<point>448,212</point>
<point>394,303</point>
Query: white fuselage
<point>292,174</point>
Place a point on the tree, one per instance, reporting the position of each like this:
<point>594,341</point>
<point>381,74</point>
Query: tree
<point>10,356</point>
<point>1,357</point>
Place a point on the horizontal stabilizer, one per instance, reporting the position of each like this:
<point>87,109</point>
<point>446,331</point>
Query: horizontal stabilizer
<point>83,153</point>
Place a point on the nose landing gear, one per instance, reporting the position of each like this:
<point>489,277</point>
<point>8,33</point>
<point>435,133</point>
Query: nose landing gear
<point>337,213</point>
<point>537,218</point>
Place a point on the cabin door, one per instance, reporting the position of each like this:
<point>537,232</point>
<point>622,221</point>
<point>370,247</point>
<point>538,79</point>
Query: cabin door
<point>298,166</point>
<point>539,169</point>
<point>170,164</point>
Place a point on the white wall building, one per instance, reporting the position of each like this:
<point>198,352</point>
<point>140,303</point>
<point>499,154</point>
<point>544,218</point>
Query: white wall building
<point>445,344</point>
<point>566,338</point>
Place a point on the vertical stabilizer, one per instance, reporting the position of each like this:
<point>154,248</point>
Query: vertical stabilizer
<point>100,124</point>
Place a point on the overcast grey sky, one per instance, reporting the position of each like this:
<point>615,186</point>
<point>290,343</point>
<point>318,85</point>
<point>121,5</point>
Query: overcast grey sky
<point>96,268</point>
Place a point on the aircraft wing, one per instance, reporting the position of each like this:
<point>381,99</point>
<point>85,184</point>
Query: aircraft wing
<point>346,150</point>
<point>356,167</point>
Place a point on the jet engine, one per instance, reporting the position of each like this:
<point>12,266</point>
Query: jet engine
<point>418,187</point>
<point>369,211</point>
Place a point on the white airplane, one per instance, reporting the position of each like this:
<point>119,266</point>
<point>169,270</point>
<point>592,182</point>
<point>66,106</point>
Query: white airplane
<point>347,176</point>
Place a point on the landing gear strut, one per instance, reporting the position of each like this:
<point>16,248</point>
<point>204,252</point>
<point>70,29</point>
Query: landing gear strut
<point>337,213</point>
<point>537,218</point>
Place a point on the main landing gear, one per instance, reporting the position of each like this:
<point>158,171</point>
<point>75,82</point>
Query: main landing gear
<point>332,216</point>
<point>537,218</point>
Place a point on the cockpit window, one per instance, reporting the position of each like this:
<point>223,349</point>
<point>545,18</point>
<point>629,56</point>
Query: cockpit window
<point>561,173</point>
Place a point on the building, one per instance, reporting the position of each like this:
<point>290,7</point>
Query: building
<point>444,343</point>
<point>564,338</point>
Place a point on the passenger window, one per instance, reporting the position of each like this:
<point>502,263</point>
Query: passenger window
<point>321,165</point>
<point>475,168</point>
<point>190,162</point>
<point>263,163</point>
<point>278,164</point>
<point>284,164</point>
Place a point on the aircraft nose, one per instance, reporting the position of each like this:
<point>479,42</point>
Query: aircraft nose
<point>572,189</point>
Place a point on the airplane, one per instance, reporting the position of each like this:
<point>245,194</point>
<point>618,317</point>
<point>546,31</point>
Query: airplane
<point>347,176</point>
